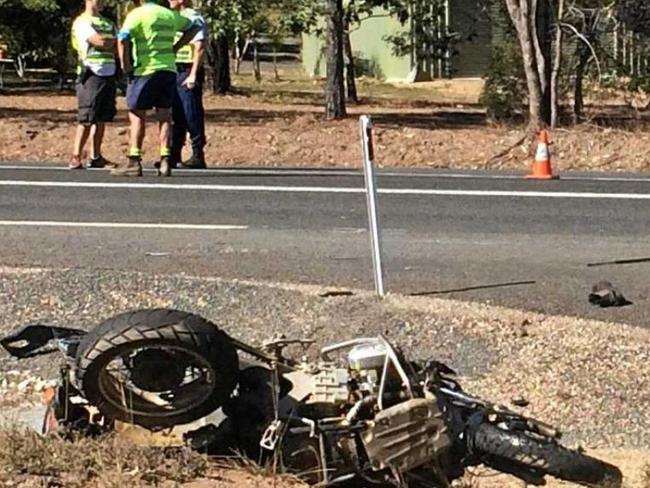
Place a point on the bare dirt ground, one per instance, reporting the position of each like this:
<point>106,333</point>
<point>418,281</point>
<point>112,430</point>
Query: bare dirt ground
<point>437,125</point>
<point>589,378</point>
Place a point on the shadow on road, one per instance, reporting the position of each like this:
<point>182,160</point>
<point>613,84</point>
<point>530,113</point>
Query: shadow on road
<point>473,288</point>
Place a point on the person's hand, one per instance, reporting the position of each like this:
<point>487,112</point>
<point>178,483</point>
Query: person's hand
<point>190,82</point>
<point>127,69</point>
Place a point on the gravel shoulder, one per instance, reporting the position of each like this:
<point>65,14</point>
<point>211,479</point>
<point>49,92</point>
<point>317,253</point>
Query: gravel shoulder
<point>590,378</point>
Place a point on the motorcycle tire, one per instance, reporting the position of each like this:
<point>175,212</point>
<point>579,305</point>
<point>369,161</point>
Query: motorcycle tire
<point>185,332</point>
<point>498,447</point>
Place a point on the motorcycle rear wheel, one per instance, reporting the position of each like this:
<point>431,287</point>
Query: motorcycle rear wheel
<point>177,345</point>
<point>499,448</point>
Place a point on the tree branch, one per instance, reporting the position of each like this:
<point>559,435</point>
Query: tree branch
<point>589,45</point>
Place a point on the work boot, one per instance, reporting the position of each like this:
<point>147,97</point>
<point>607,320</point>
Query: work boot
<point>195,162</point>
<point>164,166</point>
<point>132,168</point>
<point>100,162</point>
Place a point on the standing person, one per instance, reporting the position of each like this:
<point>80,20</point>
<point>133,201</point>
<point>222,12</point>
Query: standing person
<point>93,37</point>
<point>147,53</point>
<point>187,109</point>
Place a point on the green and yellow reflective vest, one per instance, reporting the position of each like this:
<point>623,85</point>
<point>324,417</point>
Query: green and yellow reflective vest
<point>92,57</point>
<point>185,55</point>
<point>152,30</point>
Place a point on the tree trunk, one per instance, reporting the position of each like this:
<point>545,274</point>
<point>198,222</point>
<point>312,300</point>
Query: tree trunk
<point>557,65</point>
<point>350,74</point>
<point>62,68</point>
<point>256,61</point>
<point>276,73</point>
<point>220,65</point>
<point>527,22</point>
<point>241,55</point>
<point>543,47</point>
<point>335,89</point>
<point>578,97</point>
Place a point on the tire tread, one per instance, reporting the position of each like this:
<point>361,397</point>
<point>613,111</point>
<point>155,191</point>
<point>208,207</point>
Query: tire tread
<point>189,330</point>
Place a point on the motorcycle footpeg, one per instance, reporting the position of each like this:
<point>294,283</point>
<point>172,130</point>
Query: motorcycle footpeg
<point>271,436</point>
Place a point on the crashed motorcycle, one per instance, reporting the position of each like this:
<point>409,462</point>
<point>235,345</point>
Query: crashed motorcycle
<point>362,414</point>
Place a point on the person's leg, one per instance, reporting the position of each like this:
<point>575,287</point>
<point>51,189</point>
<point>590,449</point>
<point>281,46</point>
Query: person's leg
<point>81,136</point>
<point>136,139</point>
<point>200,128</point>
<point>138,101</point>
<point>165,85</point>
<point>179,125</point>
<point>164,129</point>
<point>195,116</point>
<point>85,117</point>
<point>137,128</point>
<point>105,112</point>
<point>97,132</point>
<point>164,117</point>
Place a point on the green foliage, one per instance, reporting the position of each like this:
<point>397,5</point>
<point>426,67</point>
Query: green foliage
<point>367,67</point>
<point>25,24</point>
<point>635,15</point>
<point>424,37</point>
<point>242,18</point>
<point>357,11</point>
<point>505,87</point>
<point>639,83</point>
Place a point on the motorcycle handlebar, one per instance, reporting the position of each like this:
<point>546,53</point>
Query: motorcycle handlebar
<point>30,340</point>
<point>326,351</point>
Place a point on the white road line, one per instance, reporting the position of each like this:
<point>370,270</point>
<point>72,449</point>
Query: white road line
<point>352,172</point>
<point>118,225</point>
<point>175,186</point>
<point>229,171</point>
<point>324,189</point>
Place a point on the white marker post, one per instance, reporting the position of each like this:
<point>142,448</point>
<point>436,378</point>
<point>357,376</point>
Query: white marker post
<point>371,194</point>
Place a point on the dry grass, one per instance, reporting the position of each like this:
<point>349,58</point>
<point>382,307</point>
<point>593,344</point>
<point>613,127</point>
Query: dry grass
<point>295,86</point>
<point>646,476</point>
<point>28,459</point>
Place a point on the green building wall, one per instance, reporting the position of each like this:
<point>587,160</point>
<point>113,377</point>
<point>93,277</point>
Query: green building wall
<point>470,59</point>
<point>372,53</point>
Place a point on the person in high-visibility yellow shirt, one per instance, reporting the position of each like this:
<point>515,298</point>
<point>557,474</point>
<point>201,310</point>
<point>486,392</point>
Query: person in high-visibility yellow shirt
<point>187,109</point>
<point>148,56</point>
<point>93,37</point>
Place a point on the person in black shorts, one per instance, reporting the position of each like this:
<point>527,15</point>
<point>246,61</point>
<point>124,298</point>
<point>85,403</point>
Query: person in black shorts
<point>93,37</point>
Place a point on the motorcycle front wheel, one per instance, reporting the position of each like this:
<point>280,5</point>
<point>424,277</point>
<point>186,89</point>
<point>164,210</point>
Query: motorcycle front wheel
<point>501,448</point>
<point>157,368</point>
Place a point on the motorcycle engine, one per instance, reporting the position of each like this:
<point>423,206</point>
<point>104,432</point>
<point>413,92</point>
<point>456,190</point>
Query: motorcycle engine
<point>366,362</point>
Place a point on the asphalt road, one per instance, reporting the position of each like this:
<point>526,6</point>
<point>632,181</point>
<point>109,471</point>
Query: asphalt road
<point>486,237</point>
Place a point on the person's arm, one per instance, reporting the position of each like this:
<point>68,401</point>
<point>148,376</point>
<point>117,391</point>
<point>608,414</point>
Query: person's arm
<point>86,33</point>
<point>197,60</point>
<point>189,28</point>
<point>124,44</point>
<point>124,53</point>
<point>102,43</point>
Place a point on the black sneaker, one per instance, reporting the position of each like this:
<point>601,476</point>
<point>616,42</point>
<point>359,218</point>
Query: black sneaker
<point>100,162</point>
<point>195,162</point>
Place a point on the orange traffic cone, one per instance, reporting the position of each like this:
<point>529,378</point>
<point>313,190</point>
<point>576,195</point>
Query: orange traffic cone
<point>542,169</point>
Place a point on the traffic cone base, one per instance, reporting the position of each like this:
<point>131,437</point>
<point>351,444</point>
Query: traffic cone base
<point>542,169</point>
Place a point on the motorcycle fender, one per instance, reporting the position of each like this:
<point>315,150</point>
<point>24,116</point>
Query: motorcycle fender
<point>407,435</point>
